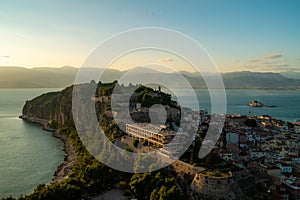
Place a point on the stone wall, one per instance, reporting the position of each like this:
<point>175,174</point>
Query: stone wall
<point>185,168</point>
<point>213,188</point>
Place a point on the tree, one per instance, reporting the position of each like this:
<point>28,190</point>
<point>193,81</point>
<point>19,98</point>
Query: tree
<point>251,123</point>
<point>211,160</point>
<point>135,142</point>
<point>127,148</point>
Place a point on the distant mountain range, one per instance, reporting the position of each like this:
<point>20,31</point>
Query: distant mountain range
<point>291,74</point>
<point>45,77</point>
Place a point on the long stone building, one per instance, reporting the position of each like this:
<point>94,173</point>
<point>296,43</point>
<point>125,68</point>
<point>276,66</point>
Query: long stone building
<point>157,135</point>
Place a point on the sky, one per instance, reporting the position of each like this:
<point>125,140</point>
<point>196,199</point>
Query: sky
<point>252,35</point>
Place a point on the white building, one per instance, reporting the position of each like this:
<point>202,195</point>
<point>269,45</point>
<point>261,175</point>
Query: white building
<point>157,135</point>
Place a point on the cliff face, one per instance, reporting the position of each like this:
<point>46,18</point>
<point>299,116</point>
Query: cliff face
<point>53,106</point>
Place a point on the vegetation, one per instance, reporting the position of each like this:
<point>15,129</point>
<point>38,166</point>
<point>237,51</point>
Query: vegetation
<point>105,89</point>
<point>89,177</point>
<point>148,97</point>
<point>135,143</point>
<point>251,123</point>
<point>216,174</point>
<point>127,148</point>
<point>86,178</point>
<point>155,185</point>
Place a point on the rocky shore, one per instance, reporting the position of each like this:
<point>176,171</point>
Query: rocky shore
<point>70,159</point>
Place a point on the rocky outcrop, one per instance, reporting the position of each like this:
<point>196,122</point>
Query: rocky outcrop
<point>225,186</point>
<point>185,168</point>
<point>50,109</point>
<point>213,187</point>
<point>70,159</point>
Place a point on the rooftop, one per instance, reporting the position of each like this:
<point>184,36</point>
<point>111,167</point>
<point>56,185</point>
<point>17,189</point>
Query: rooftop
<point>153,128</point>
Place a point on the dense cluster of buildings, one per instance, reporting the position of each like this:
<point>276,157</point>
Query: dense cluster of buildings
<point>267,146</point>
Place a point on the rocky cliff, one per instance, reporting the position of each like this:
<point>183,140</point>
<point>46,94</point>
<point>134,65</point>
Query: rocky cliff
<point>50,109</point>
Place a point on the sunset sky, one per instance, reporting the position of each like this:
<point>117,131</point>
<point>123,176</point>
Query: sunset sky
<point>254,35</point>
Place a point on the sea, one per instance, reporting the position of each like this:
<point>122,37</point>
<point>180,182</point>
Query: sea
<point>29,156</point>
<point>286,102</point>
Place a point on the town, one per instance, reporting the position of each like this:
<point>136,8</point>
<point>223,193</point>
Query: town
<point>268,145</point>
<point>262,146</point>
<point>200,155</point>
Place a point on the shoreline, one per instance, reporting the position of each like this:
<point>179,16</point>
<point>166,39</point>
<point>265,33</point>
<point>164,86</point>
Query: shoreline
<point>70,156</point>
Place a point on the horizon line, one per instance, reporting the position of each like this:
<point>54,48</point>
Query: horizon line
<point>124,70</point>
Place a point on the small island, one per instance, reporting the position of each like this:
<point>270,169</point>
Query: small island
<point>256,103</point>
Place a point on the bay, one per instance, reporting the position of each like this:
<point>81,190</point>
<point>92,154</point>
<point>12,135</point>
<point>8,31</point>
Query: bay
<point>287,102</point>
<point>28,155</point>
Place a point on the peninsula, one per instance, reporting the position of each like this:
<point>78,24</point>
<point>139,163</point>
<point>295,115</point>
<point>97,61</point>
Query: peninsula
<point>231,164</point>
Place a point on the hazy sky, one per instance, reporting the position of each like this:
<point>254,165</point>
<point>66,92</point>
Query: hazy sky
<point>255,35</point>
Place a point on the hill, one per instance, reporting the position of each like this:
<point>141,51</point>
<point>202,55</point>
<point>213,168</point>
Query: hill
<point>291,74</point>
<point>88,177</point>
<point>259,80</point>
<point>45,77</point>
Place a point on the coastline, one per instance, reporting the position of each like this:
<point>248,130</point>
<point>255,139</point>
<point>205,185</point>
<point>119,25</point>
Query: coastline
<point>70,157</point>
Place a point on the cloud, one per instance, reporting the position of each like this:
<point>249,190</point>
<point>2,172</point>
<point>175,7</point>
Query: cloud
<point>270,67</point>
<point>276,62</point>
<point>166,60</point>
<point>263,59</point>
<point>283,60</point>
<point>7,57</point>
<point>270,62</point>
<point>281,65</point>
<point>4,59</point>
<point>253,60</point>
<point>273,55</point>
<point>282,68</point>
<point>251,66</point>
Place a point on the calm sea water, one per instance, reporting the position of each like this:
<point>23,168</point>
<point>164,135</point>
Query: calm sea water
<point>287,102</point>
<point>28,155</point>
